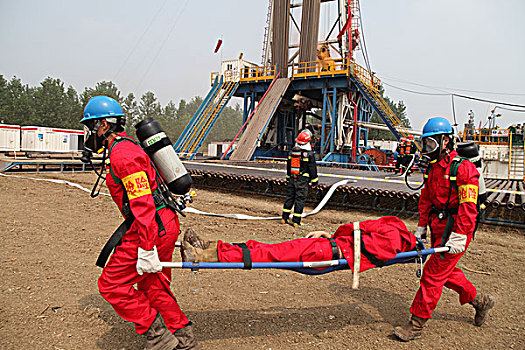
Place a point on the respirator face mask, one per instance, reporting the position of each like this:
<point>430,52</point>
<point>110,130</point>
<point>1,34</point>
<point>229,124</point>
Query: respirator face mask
<point>92,142</point>
<point>431,147</point>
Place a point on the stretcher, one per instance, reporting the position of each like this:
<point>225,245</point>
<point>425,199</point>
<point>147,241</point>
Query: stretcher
<point>313,267</point>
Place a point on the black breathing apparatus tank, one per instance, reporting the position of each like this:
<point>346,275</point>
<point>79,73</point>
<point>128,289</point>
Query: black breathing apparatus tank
<point>159,148</point>
<point>470,151</point>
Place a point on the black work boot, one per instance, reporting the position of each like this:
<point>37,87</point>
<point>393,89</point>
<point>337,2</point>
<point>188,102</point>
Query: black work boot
<point>195,254</point>
<point>413,330</point>
<point>158,337</point>
<point>186,338</point>
<point>482,303</point>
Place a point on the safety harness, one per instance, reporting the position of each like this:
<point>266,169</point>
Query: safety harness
<point>160,202</point>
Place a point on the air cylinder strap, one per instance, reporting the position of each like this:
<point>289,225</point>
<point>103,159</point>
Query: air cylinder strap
<point>246,256</point>
<point>114,241</point>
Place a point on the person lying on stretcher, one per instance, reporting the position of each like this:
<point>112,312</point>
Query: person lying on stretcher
<point>381,240</point>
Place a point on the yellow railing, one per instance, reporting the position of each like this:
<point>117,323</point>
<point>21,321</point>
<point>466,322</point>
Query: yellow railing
<point>369,79</point>
<point>485,136</point>
<point>229,75</point>
<point>254,74</point>
<point>320,68</point>
<point>213,76</point>
<point>373,85</point>
<point>248,74</point>
<point>210,114</point>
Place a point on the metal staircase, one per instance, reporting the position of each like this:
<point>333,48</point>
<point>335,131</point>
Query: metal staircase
<point>205,117</point>
<point>516,163</point>
<point>258,123</point>
<point>369,86</point>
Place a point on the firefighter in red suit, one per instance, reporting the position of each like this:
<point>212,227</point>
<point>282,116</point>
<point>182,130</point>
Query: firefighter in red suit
<point>154,228</point>
<point>451,215</point>
<point>381,240</point>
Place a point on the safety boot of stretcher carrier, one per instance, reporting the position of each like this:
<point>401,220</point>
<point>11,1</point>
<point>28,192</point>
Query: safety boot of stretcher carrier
<point>482,304</point>
<point>411,331</point>
<point>186,338</point>
<point>158,337</point>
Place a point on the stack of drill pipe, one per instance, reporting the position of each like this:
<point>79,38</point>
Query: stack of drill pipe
<point>511,202</point>
<point>492,196</point>
<point>309,30</point>
<point>280,36</point>
<point>491,183</point>
<point>497,202</point>
<point>521,188</point>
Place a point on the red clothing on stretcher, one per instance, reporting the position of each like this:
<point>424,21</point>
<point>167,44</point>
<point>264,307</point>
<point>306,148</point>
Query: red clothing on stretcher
<point>383,238</point>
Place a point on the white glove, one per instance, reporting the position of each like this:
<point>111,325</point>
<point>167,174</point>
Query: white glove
<point>457,243</point>
<point>421,232</point>
<point>148,261</point>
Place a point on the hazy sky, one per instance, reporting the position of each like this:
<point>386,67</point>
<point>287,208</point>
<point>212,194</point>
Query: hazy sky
<point>166,46</point>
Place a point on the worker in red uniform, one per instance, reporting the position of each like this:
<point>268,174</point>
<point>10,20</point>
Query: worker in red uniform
<point>401,155</point>
<point>381,240</point>
<point>149,236</point>
<point>451,215</point>
<point>301,170</point>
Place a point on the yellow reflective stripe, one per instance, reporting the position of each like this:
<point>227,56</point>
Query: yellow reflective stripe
<point>315,180</point>
<point>468,193</point>
<point>287,210</point>
<point>137,185</point>
<point>306,174</point>
<point>297,215</point>
<point>305,159</point>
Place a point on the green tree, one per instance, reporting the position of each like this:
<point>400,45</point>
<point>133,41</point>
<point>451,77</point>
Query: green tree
<point>106,88</point>
<point>4,100</point>
<point>149,107</point>
<point>131,112</point>
<point>54,106</point>
<point>19,103</point>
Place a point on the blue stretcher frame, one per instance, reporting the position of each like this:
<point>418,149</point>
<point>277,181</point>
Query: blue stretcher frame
<point>307,267</point>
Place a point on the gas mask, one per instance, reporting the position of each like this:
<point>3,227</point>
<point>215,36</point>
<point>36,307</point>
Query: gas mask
<point>93,142</point>
<point>432,147</point>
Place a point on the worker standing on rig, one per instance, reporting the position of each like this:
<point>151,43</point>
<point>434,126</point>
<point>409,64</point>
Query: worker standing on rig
<point>300,171</point>
<point>147,235</point>
<point>448,205</point>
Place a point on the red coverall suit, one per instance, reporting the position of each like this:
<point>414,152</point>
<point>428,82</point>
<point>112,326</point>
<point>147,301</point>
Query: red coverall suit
<point>439,272</point>
<point>382,239</point>
<point>131,164</point>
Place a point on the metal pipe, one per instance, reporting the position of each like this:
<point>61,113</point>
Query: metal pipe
<point>512,199</point>
<point>499,198</point>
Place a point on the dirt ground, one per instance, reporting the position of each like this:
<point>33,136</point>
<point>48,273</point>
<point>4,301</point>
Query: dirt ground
<point>52,234</point>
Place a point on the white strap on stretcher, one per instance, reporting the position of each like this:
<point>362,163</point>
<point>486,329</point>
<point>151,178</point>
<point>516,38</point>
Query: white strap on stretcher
<point>357,255</point>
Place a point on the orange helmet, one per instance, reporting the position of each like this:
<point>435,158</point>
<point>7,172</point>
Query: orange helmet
<point>403,139</point>
<point>410,137</point>
<point>304,137</point>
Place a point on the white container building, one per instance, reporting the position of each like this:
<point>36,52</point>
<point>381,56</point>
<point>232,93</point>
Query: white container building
<point>41,139</point>
<point>9,138</point>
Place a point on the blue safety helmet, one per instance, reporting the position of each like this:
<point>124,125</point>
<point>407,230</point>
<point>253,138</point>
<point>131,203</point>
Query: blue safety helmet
<point>101,107</point>
<point>437,126</point>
